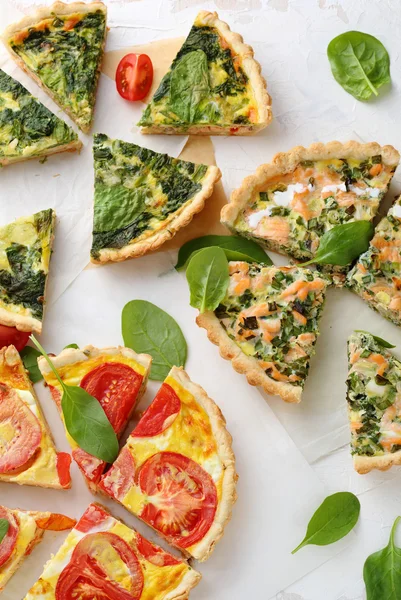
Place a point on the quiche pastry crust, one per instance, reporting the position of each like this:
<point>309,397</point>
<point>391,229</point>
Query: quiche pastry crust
<point>365,464</point>
<point>72,146</point>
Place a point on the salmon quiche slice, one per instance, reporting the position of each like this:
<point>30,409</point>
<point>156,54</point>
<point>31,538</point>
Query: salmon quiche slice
<point>27,128</point>
<point>27,452</point>
<point>103,558</point>
<point>25,530</point>
<point>289,204</point>
<point>61,48</point>
<point>268,324</point>
<point>213,87</point>
<point>177,469</point>
<point>25,250</point>
<point>374,409</point>
<point>116,377</point>
<point>142,198</point>
<point>377,275</point>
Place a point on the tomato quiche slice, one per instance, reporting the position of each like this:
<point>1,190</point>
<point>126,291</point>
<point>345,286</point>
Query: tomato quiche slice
<point>25,530</point>
<point>61,48</point>
<point>289,204</point>
<point>268,324</point>
<point>27,128</point>
<point>177,469</point>
<point>142,198</point>
<point>377,275</point>
<point>25,250</point>
<point>116,377</point>
<point>103,558</point>
<point>213,87</point>
<point>373,392</point>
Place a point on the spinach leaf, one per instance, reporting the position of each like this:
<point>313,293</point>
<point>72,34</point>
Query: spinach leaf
<point>84,418</point>
<point>71,346</point>
<point>382,571</point>
<point>343,244</point>
<point>377,339</point>
<point>29,357</point>
<point>359,62</point>
<point>189,85</point>
<point>116,207</point>
<point>249,249</point>
<point>208,278</point>
<point>147,328</point>
<point>4,525</point>
<point>334,518</point>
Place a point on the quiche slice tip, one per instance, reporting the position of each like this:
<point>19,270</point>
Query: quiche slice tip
<point>25,251</point>
<point>213,87</point>
<point>61,47</point>
<point>177,469</point>
<point>373,391</point>
<point>142,198</point>
<point>268,324</point>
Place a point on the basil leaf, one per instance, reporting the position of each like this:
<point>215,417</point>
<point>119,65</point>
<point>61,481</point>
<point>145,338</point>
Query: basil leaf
<point>250,250</point>
<point>359,62</point>
<point>334,518</point>
<point>382,571</point>
<point>84,418</point>
<point>4,525</point>
<point>29,357</point>
<point>377,339</point>
<point>71,346</point>
<point>189,84</point>
<point>208,278</point>
<point>343,244</point>
<point>147,328</point>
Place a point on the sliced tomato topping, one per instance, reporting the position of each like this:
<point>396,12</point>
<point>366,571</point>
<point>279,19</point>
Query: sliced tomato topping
<point>20,431</point>
<point>134,76</point>
<point>155,554</point>
<point>160,414</point>
<point>181,495</point>
<point>119,479</point>
<point>55,522</point>
<point>63,469</point>
<point>93,516</point>
<point>86,578</point>
<point>11,336</point>
<point>90,466</point>
<point>8,542</point>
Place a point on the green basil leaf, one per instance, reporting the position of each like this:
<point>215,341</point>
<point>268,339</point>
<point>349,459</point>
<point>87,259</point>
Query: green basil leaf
<point>377,339</point>
<point>343,244</point>
<point>250,250</point>
<point>208,278</point>
<point>29,357</point>
<point>4,525</point>
<point>359,62</point>
<point>147,328</point>
<point>71,346</point>
<point>116,207</point>
<point>382,571</point>
<point>334,518</point>
<point>189,84</point>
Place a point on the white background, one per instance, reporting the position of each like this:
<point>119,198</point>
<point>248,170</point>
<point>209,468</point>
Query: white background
<point>285,469</point>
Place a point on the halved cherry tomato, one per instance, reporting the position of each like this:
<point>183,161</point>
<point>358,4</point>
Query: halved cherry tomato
<point>160,414</point>
<point>22,432</point>
<point>12,336</point>
<point>9,540</point>
<point>94,515</point>
<point>182,497</point>
<point>134,76</point>
<point>119,479</point>
<point>55,522</point>
<point>154,554</point>
<point>86,578</point>
<point>63,469</point>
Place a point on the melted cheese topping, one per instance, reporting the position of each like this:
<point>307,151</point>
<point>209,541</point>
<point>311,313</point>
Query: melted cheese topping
<point>28,535</point>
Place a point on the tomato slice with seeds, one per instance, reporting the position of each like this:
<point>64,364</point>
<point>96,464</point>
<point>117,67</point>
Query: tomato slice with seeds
<point>181,496</point>
<point>94,515</point>
<point>88,574</point>
<point>155,555</point>
<point>8,542</point>
<point>11,336</point>
<point>134,76</point>
<point>20,431</point>
<point>120,478</point>
<point>160,414</point>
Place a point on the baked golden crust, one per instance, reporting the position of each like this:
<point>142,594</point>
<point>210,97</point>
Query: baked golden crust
<point>73,146</point>
<point>158,238</point>
<point>365,464</point>
<point>246,365</point>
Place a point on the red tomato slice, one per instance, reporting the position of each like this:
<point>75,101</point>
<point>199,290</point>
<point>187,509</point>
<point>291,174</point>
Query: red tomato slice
<point>120,477</point>
<point>23,431</point>
<point>10,336</point>
<point>63,469</point>
<point>94,515</point>
<point>134,76</point>
<point>8,542</point>
<point>182,497</point>
<point>55,522</point>
<point>160,414</point>
<point>91,467</point>
<point>85,578</point>
<point>154,554</point>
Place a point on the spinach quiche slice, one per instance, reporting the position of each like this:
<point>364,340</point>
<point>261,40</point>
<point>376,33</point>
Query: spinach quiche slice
<point>61,48</point>
<point>25,250</point>
<point>268,324</point>
<point>142,198</point>
<point>27,128</point>
<point>377,275</point>
<point>213,87</point>
<point>373,392</point>
<point>289,204</point>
